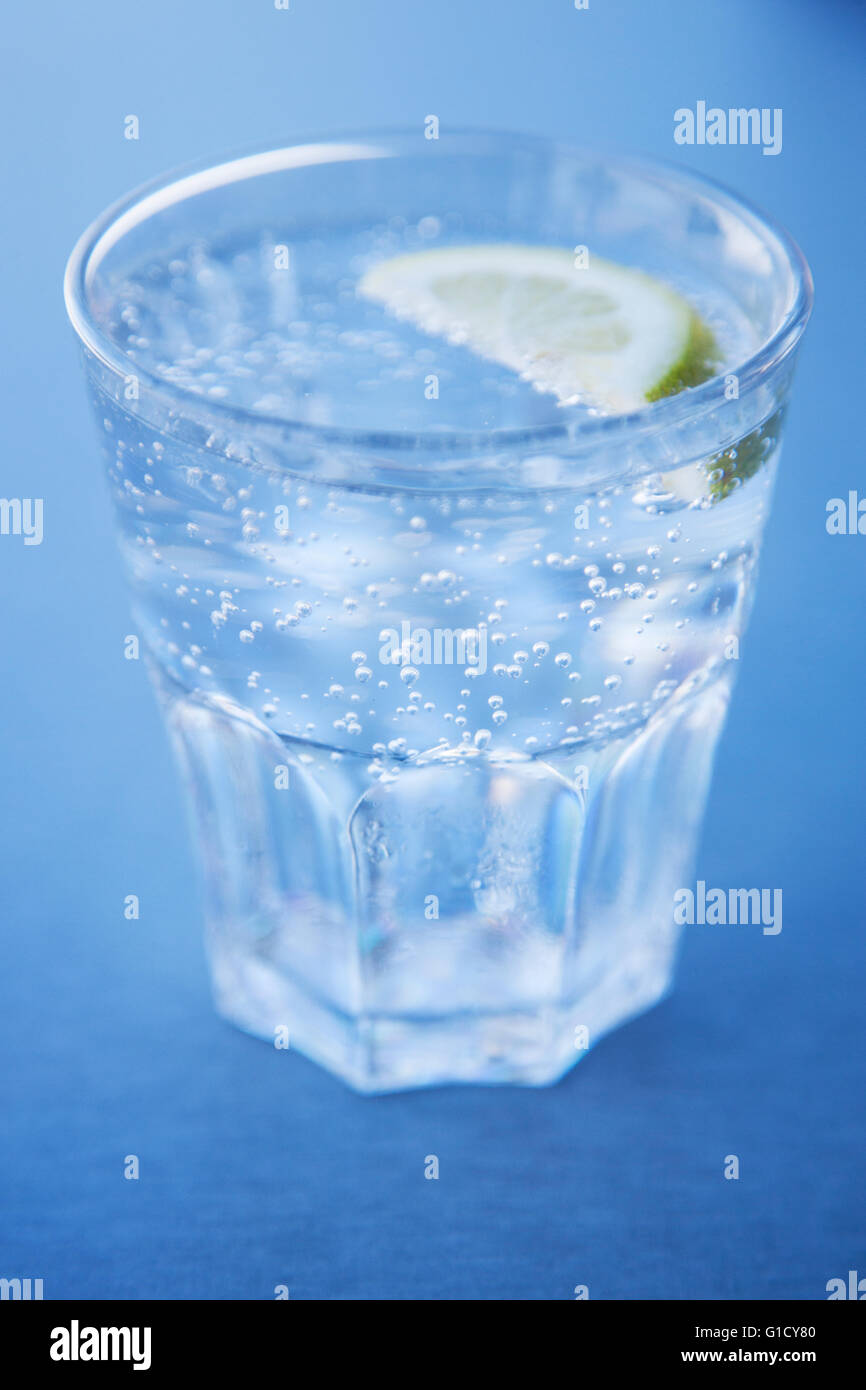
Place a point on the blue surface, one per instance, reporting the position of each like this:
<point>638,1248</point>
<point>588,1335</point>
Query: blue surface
<point>258,1169</point>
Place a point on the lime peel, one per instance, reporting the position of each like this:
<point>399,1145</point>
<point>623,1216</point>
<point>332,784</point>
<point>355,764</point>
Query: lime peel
<point>698,363</point>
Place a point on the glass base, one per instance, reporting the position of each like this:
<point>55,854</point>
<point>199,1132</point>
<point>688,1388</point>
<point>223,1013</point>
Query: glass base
<point>468,920</point>
<point>377,1054</point>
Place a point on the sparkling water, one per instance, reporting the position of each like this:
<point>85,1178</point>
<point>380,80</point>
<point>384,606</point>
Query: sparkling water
<point>449,742</point>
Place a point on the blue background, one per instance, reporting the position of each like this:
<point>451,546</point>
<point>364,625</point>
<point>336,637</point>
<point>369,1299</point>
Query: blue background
<point>258,1169</point>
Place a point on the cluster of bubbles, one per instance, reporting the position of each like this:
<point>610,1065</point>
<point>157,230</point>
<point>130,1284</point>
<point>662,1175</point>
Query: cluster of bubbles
<point>570,657</point>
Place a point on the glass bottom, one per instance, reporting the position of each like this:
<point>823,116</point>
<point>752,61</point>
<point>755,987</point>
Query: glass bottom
<point>456,919</point>
<point>375,1054</point>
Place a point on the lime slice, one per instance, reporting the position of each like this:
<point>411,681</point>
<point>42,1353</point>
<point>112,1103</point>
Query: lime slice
<point>603,335</point>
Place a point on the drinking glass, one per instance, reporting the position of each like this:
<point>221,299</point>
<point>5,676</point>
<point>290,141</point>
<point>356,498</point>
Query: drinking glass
<point>444,660</point>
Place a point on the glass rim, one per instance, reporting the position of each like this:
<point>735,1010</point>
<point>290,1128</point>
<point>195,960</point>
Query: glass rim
<point>199,176</point>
